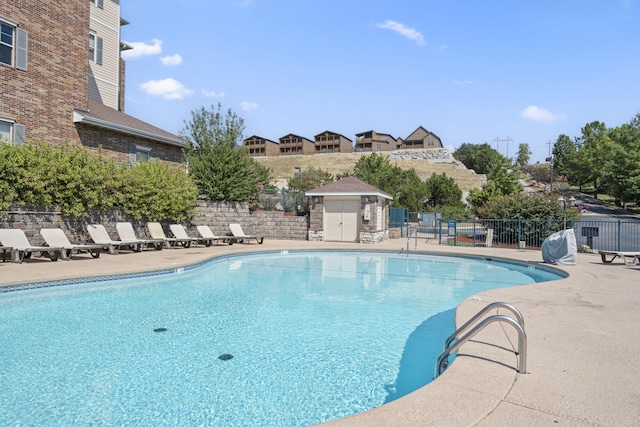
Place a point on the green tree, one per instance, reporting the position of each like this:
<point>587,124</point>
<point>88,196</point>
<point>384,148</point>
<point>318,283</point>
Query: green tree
<point>412,192</point>
<point>588,164</point>
<point>621,178</point>
<point>564,151</point>
<point>208,128</point>
<point>221,169</point>
<point>443,190</point>
<point>378,171</point>
<point>502,180</point>
<point>504,177</point>
<point>309,179</point>
<point>524,154</point>
<point>481,158</point>
<point>445,196</point>
<point>406,187</point>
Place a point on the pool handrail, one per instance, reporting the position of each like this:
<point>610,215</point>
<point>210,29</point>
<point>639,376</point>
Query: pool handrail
<point>522,343</point>
<point>481,313</point>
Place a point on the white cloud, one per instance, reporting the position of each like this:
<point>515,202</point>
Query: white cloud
<point>463,82</point>
<point>404,31</point>
<point>172,60</point>
<point>249,106</point>
<point>167,88</point>
<point>142,49</point>
<point>538,114</point>
<point>212,94</point>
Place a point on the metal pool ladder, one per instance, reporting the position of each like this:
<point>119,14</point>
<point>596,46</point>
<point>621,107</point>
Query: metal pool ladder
<point>517,323</point>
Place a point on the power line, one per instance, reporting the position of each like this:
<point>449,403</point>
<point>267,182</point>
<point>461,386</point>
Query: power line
<point>499,142</point>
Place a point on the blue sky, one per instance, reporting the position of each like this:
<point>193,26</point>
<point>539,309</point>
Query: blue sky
<point>467,70</point>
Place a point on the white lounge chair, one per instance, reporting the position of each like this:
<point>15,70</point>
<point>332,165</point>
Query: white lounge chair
<point>100,236</point>
<point>156,232</point>
<point>55,237</point>
<point>629,258</point>
<point>15,238</point>
<point>179,232</point>
<point>206,233</point>
<point>128,235</point>
<point>236,230</point>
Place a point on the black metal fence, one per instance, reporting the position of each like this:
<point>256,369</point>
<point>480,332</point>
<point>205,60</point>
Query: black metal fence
<point>281,200</point>
<point>620,235</point>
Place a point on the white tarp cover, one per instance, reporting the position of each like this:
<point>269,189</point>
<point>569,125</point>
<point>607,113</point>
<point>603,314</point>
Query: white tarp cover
<point>560,248</point>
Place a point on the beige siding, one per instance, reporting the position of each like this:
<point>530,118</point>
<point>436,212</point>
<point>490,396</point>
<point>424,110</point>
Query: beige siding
<point>341,219</point>
<point>103,79</point>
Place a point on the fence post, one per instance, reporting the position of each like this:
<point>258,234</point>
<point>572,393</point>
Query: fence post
<point>519,231</point>
<point>619,234</point>
<point>474,233</point>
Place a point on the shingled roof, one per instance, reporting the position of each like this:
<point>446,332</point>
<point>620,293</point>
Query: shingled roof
<point>348,186</point>
<point>105,117</point>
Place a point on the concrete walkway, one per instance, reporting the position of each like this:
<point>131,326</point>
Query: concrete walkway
<point>582,367</point>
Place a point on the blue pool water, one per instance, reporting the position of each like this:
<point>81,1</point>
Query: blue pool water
<point>308,337</point>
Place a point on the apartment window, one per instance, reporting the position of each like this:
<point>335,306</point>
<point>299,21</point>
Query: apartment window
<point>141,154</point>
<point>12,132</point>
<point>5,132</point>
<point>99,3</point>
<point>6,43</point>
<point>95,48</point>
<point>431,143</point>
<point>13,44</point>
<point>378,146</point>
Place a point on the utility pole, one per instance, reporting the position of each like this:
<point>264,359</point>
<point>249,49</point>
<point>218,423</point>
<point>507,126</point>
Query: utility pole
<point>550,160</point>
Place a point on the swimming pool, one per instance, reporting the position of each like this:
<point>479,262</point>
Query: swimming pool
<point>282,339</point>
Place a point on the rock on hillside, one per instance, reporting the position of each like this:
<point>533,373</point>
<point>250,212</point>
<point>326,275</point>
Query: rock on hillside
<point>424,161</point>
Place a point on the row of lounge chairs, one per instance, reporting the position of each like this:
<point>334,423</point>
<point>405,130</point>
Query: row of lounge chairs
<point>15,243</point>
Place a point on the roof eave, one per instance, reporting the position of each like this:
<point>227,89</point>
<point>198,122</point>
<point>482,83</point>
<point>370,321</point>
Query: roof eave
<point>349,193</point>
<point>79,117</point>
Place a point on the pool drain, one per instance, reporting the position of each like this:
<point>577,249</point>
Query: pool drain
<point>159,329</point>
<point>225,356</point>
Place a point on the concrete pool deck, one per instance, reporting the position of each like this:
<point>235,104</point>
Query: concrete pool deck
<point>583,365</point>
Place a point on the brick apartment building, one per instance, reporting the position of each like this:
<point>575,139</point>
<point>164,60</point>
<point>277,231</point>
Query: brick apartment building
<point>63,81</point>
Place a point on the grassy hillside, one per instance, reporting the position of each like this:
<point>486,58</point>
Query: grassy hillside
<point>284,167</point>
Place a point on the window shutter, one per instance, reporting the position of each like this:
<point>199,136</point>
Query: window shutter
<point>100,4</point>
<point>99,50</point>
<point>19,135</point>
<point>22,40</point>
<point>132,155</point>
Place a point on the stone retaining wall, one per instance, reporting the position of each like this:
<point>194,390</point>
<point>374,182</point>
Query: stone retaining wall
<point>217,215</point>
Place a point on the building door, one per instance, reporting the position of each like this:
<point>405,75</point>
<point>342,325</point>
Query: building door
<point>341,220</point>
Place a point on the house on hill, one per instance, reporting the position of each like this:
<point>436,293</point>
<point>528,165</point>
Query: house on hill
<point>348,210</point>
<point>295,144</point>
<point>421,138</point>
<point>374,141</point>
<point>63,81</point>
<point>331,142</point>
<point>258,146</point>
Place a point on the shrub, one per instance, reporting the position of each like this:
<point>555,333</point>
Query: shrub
<point>75,181</point>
